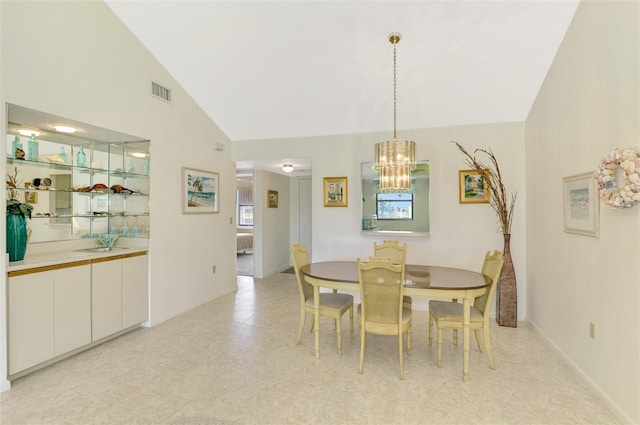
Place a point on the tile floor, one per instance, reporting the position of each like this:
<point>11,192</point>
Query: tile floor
<point>234,361</point>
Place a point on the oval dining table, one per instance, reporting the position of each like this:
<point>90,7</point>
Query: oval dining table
<point>420,281</point>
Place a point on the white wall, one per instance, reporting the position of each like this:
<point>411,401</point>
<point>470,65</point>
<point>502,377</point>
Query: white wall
<point>77,60</point>
<point>460,234</point>
<point>588,105</point>
<point>271,236</point>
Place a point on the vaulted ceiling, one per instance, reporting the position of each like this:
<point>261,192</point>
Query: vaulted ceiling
<point>282,69</point>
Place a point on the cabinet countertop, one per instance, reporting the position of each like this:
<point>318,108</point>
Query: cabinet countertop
<point>62,257</point>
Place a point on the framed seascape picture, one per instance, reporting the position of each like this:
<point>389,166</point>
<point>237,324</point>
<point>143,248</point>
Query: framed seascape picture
<point>272,199</point>
<point>473,187</point>
<point>200,191</point>
<point>581,205</point>
<point>335,192</point>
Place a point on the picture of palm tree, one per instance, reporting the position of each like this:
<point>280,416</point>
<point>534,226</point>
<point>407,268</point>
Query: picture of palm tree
<point>201,191</point>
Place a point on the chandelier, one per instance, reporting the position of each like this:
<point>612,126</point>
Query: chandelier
<point>395,158</point>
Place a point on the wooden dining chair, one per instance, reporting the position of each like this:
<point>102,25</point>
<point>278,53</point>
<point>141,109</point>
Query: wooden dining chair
<point>397,252</point>
<point>332,305</point>
<point>448,314</point>
<point>381,310</point>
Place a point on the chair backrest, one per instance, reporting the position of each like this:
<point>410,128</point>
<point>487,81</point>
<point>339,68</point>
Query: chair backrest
<point>491,268</point>
<point>300,258</point>
<point>391,249</point>
<point>381,289</point>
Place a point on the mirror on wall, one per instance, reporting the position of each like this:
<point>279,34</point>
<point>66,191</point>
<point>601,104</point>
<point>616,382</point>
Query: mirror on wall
<point>400,213</point>
<point>80,184</point>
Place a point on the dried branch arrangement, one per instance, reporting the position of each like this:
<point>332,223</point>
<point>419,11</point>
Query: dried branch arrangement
<point>497,194</point>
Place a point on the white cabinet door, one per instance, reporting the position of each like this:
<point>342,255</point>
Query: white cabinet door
<point>72,307</point>
<point>106,297</point>
<point>135,293</point>
<point>31,327</point>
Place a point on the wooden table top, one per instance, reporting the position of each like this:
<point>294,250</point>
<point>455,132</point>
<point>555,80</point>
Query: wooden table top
<point>416,276</point>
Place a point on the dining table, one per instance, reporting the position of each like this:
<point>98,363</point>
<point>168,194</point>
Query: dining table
<point>420,281</point>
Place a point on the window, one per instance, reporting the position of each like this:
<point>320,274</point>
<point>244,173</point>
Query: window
<point>394,206</point>
<point>244,201</point>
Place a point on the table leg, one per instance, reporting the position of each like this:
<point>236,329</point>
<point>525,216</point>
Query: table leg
<point>466,322</point>
<point>316,312</point>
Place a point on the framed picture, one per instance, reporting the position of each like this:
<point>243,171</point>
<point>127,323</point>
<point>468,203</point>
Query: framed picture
<point>581,205</point>
<point>31,197</point>
<point>473,187</point>
<point>272,198</point>
<point>335,192</point>
<point>200,191</point>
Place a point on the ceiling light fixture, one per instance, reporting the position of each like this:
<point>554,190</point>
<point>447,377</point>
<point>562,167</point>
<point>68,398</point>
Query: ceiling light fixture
<point>395,158</point>
<point>65,129</point>
<point>287,168</point>
<point>28,133</point>
<point>139,154</point>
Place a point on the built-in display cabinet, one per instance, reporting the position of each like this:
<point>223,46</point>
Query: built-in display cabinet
<point>86,188</point>
<point>80,185</point>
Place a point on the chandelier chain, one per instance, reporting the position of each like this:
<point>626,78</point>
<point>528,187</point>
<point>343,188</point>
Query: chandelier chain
<point>395,94</point>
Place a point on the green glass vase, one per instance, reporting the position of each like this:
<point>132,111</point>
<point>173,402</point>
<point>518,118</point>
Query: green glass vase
<point>16,237</point>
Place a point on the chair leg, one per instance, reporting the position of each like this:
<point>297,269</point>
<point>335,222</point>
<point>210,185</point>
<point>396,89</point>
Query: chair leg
<point>477,333</point>
<point>455,337</point>
<point>400,355</point>
<point>313,322</point>
<point>439,346</point>
<point>339,332</point>
<point>363,338</point>
<point>430,329</point>
<point>409,341</point>
<point>487,344</point>
<point>351,320</point>
<point>303,316</point>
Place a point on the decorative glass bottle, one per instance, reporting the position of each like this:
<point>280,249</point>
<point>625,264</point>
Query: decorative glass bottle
<point>82,158</point>
<point>33,154</point>
<point>15,146</point>
<point>63,155</point>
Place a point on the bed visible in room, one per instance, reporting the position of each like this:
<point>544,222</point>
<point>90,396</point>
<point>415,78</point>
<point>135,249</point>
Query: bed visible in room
<point>245,239</point>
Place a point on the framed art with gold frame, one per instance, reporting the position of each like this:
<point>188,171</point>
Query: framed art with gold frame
<point>473,187</point>
<point>335,192</point>
<point>272,199</point>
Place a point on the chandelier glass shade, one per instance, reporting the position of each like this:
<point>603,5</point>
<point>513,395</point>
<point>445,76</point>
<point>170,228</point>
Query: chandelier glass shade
<point>395,159</point>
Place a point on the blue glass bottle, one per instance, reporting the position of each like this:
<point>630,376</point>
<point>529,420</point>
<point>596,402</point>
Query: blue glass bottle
<point>82,158</point>
<point>15,145</point>
<point>33,154</point>
<point>63,155</point>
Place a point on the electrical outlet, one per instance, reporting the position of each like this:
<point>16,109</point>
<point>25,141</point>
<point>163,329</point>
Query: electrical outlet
<point>214,269</point>
<point>592,330</point>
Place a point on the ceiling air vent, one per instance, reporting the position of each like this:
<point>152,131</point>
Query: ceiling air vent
<point>160,92</point>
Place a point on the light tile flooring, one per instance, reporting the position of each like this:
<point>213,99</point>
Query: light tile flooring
<point>235,361</point>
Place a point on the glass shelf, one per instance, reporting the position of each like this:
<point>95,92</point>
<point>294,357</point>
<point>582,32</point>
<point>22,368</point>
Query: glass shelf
<point>60,210</point>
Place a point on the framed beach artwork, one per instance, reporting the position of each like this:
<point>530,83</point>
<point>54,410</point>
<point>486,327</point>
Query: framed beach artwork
<point>200,191</point>
<point>581,205</point>
<point>335,192</point>
<point>272,199</point>
<point>473,187</point>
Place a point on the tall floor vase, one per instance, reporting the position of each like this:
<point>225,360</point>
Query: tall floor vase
<point>507,293</point>
<point>16,236</point>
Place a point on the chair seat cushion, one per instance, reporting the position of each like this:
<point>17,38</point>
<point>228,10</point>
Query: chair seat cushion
<point>333,301</point>
<point>451,312</point>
